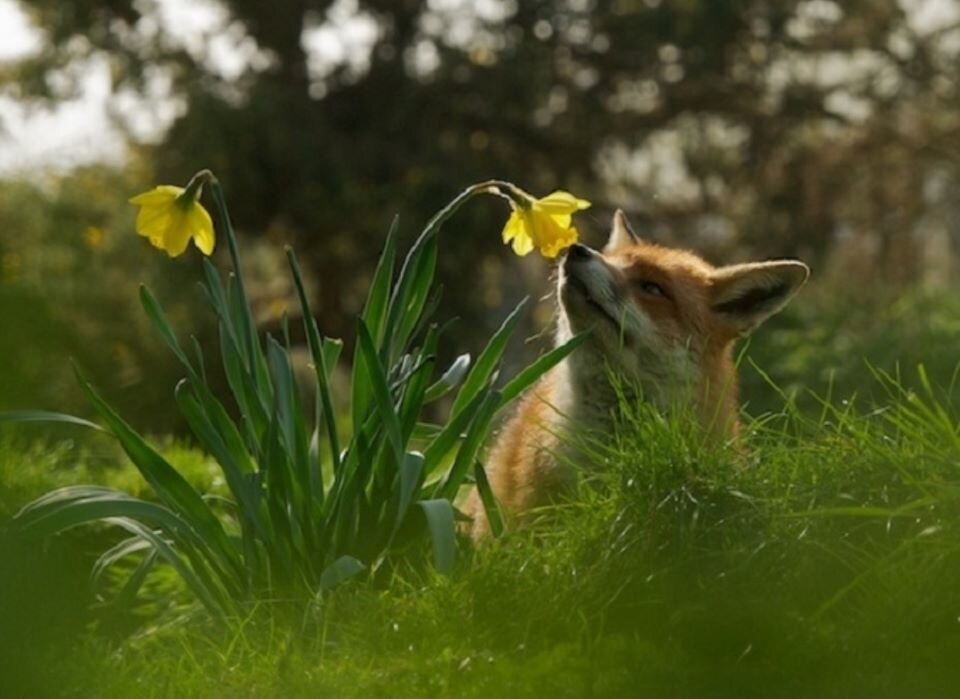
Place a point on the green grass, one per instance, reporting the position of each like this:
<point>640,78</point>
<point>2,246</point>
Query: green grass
<point>822,560</point>
<point>818,346</point>
<point>30,465</point>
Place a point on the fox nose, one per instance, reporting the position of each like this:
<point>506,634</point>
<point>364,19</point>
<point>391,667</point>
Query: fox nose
<point>579,252</point>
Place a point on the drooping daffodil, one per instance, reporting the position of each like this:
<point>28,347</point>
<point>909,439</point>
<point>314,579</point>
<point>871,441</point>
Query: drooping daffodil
<point>171,216</point>
<point>544,224</point>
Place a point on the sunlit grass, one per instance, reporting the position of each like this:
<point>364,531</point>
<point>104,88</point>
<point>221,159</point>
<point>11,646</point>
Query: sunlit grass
<point>821,560</point>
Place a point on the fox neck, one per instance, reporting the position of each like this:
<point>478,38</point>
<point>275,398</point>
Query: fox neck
<point>587,391</point>
<point>718,395</point>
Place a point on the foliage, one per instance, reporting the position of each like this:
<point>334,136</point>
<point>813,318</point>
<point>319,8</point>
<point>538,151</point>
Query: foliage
<point>819,347</point>
<point>768,128</point>
<point>69,271</point>
<point>297,522</point>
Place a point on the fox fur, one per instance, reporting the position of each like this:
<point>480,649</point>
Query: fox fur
<point>665,321</point>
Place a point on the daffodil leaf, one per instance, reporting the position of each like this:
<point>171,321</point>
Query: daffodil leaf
<point>411,475</point>
<point>319,361</point>
<point>374,315</point>
<point>488,359</point>
<point>290,411</point>
<point>221,438</point>
<point>375,309</point>
<point>381,391</point>
<point>46,416</point>
<point>415,385</point>
<point>114,554</point>
<point>155,313</point>
<point>490,507</point>
<point>416,296</point>
<point>449,435</point>
<point>466,455</point>
<point>340,571</point>
<point>440,524</point>
<point>77,505</point>
<point>253,412</point>
<point>450,379</point>
<point>249,346</point>
<point>166,482</point>
<point>529,375</point>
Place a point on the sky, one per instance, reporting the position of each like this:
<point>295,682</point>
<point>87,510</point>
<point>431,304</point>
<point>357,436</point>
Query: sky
<point>75,132</point>
<point>81,130</point>
<point>32,137</point>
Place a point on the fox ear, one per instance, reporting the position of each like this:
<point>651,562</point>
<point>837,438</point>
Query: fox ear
<point>621,234</point>
<point>743,296</point>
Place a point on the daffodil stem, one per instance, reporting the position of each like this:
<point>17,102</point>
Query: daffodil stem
<point>508,191</point>
<point>416,256</point>
<point>438,220</point>
<point>500,188</point>
<point>195,186</point>
<point>249,330</point>
<point>496,187</point>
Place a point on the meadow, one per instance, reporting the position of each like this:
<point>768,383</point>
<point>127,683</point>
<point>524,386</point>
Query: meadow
<point>819,560</point>
<point>822,563</point>
<point>242,480</point>
<point>305,541</point>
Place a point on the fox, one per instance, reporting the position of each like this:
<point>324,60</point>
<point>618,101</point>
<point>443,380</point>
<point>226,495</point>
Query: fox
<point>661,319</point>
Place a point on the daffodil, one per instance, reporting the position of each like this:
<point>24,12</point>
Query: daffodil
<point>544,224</point>
<point>170,216</point>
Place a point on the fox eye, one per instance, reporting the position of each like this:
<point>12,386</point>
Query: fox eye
<point>651,288</point>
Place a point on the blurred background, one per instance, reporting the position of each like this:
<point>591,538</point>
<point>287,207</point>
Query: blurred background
<point>743,129</point>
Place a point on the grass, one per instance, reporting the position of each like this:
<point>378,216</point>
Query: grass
<point>35,461</point>
<point>822,560</point>
<point>819,559</point>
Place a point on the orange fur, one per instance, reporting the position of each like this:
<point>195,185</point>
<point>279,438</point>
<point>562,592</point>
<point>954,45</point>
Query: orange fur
<point>663,319</point>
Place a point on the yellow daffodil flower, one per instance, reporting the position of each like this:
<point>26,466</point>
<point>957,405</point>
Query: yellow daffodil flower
<point>170,216</point>
<point>94,236</point>
<point>544,224</point>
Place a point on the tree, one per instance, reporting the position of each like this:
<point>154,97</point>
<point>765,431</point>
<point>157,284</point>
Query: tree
<point>749,124</point>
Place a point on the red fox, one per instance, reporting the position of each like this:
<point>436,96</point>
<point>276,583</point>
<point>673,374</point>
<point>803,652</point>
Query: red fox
<point>663,319</point>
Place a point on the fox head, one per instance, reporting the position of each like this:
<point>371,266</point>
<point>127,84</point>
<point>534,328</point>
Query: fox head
<point>664,318</point>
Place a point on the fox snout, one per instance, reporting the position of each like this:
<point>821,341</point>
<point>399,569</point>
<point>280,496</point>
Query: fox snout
<point>587,286</point>
<point>579,252</point>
